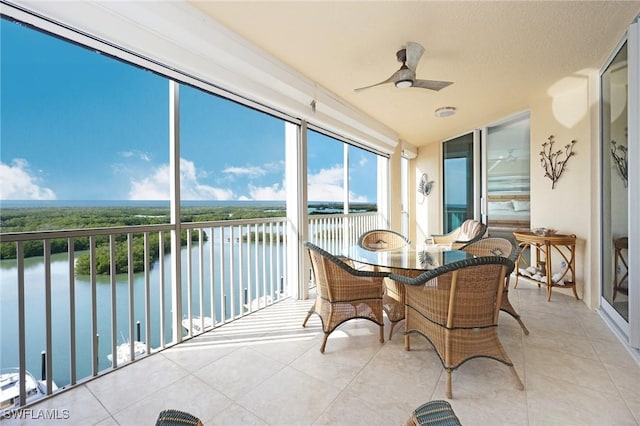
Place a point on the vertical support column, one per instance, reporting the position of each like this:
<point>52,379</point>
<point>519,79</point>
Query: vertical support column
<point>633,152</point>
<point>384,193</point>
<point>477,175</point>
<point>131,308</point>
<point>114,300</point>
<point>48,361</point>
<point>22,339</point>
<point>346,225</point>
<point>95,345</point>
<point>72,311</point>
<point>296,179</point>
<point>174,181</point>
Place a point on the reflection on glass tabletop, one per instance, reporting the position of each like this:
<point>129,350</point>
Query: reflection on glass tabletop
<point>408,257</point>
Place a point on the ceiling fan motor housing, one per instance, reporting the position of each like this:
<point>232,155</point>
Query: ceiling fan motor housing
<point>404,77</point>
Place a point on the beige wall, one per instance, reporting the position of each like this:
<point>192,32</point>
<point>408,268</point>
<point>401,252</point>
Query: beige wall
<point>568,111</point>
<point>427,210</point>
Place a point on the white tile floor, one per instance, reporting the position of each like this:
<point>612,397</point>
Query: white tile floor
<point>267,370</point>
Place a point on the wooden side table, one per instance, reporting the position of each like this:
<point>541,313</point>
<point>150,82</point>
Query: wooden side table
<point>544,246</point>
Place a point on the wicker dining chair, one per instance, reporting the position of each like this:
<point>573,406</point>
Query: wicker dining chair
<point>471,230</point>
<point>456,308</point>
<point>344,293</point>
<point>495,246</point>
<point>382,239</point>
<point>393,298</point>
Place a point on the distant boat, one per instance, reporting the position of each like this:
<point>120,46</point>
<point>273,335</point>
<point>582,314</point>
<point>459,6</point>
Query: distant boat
<point>124,351</point>
<point>195,324</point>
<point>10,389</point>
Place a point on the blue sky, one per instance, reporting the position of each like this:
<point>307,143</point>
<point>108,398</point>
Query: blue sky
<point>78,125</point>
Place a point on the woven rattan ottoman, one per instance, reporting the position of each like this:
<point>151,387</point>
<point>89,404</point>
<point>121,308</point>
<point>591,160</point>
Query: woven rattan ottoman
<point>177,418</point>
<point>434,413</point>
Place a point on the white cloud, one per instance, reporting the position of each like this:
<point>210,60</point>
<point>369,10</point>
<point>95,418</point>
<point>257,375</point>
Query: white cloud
<point>251,172</point>
<point>327,185</point>
<point>267,193</point>
<point>357,199</point>
<point>18,183</point>
<point>331,176</point>
<point>156,186</point>
<point>136,154</point>
<point>363,161</point>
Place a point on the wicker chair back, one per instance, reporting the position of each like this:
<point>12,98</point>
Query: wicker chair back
<point>494,246</point>
<point>344,293</point>
<point>456,308</point>
<point>382,239</point>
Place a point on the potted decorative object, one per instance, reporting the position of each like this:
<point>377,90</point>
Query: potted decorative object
<point>543,232</point>
<point>554,162</point>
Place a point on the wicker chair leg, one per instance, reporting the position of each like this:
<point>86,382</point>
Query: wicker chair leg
<point>407,343</point>
<point>381,333</point>
<point>509,309</point>
<point>448,389</point>
<point>516,378</point>
<point>304,323</point>
<point>391,325</point>
<point>324,342</point>
<point>524,327</point>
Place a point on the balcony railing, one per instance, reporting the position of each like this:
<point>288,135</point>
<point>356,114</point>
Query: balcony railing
<point>334,231</point>
<point>87,323</point>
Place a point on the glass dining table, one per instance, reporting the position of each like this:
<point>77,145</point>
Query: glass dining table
<point>409,260</point>
<point>411,257</point>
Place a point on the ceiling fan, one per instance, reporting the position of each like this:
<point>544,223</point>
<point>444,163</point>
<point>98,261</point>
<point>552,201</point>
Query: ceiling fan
<point>406,75</point>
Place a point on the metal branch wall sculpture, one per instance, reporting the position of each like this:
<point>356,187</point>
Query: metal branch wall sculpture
<point>619,154</point>
<point>554,162</point>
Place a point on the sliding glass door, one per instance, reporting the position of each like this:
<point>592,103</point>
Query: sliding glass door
<point>615,200</point>
<point>460,180</point>
<point>506,173</point>
<point>620,157</point>
<point>496,170</point>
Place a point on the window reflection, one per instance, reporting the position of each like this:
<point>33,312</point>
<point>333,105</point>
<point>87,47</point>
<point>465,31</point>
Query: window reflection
<point>615,194</point>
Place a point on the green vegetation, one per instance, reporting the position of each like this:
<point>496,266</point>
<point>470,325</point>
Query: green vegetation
<point>60,218</point>
<point>35,219</point>
<point>83,264</point>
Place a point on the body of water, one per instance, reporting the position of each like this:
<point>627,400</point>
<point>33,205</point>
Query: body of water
<point>35,304</point>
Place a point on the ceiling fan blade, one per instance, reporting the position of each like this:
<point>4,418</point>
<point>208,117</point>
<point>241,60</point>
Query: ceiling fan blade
<point>431,84</point>
<point>389,80</point>
<point>414,53</point>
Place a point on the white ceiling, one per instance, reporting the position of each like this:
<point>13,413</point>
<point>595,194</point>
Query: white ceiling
<point>500,55</point>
